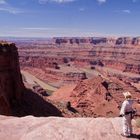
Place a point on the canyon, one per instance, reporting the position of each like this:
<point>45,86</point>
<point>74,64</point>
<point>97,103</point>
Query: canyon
<point>77,66</point>
<point>80,79</point>
<point>77,76</point>
<point>73,59</point>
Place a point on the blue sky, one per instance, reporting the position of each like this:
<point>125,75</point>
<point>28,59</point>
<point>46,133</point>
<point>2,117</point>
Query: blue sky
<point>53,18</point>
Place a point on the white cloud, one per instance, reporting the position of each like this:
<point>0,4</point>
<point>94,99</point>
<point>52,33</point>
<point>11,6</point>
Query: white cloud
<point>101,1</point>
<point>2,1</point>
<point>51,32</point>
<point>126,11</point>
<point>10,10</point>
<point>40,28</point>
<point>57,1</point>
<point>7,8</point>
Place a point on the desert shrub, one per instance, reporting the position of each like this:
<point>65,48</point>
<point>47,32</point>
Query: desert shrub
<point>57,67</point>
<point>65,60</point>
<point>92,67</point>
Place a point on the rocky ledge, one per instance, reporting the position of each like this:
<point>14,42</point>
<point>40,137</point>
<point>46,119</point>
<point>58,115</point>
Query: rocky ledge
<point>53,128</point>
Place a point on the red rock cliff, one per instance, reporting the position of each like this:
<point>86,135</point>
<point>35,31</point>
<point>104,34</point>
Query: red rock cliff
<point>11,85</point>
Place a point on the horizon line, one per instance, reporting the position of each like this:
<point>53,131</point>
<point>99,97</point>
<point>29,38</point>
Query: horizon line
<point>96,36</point>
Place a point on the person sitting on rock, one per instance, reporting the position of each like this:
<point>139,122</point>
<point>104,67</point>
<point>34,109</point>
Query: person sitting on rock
<point>127,113</point>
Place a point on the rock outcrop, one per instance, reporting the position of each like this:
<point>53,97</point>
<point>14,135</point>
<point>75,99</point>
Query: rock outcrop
<point>51,128</point>
<point>11,86</point>
<point>96,97</point>
<point>128,41</point>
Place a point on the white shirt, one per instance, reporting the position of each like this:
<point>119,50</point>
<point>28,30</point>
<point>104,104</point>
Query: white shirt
<point>126,106</point>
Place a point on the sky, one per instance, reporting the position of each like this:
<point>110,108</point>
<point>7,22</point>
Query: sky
<point>69,18</point>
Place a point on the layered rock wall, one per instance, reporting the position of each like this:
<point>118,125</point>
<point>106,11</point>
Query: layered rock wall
<point>99,40</point>
<point>11,85</point>
<point>121,53</point>
<point>40,61</point>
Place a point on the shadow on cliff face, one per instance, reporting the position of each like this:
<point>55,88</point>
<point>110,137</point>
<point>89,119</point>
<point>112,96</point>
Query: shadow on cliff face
<point>33,104</point>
